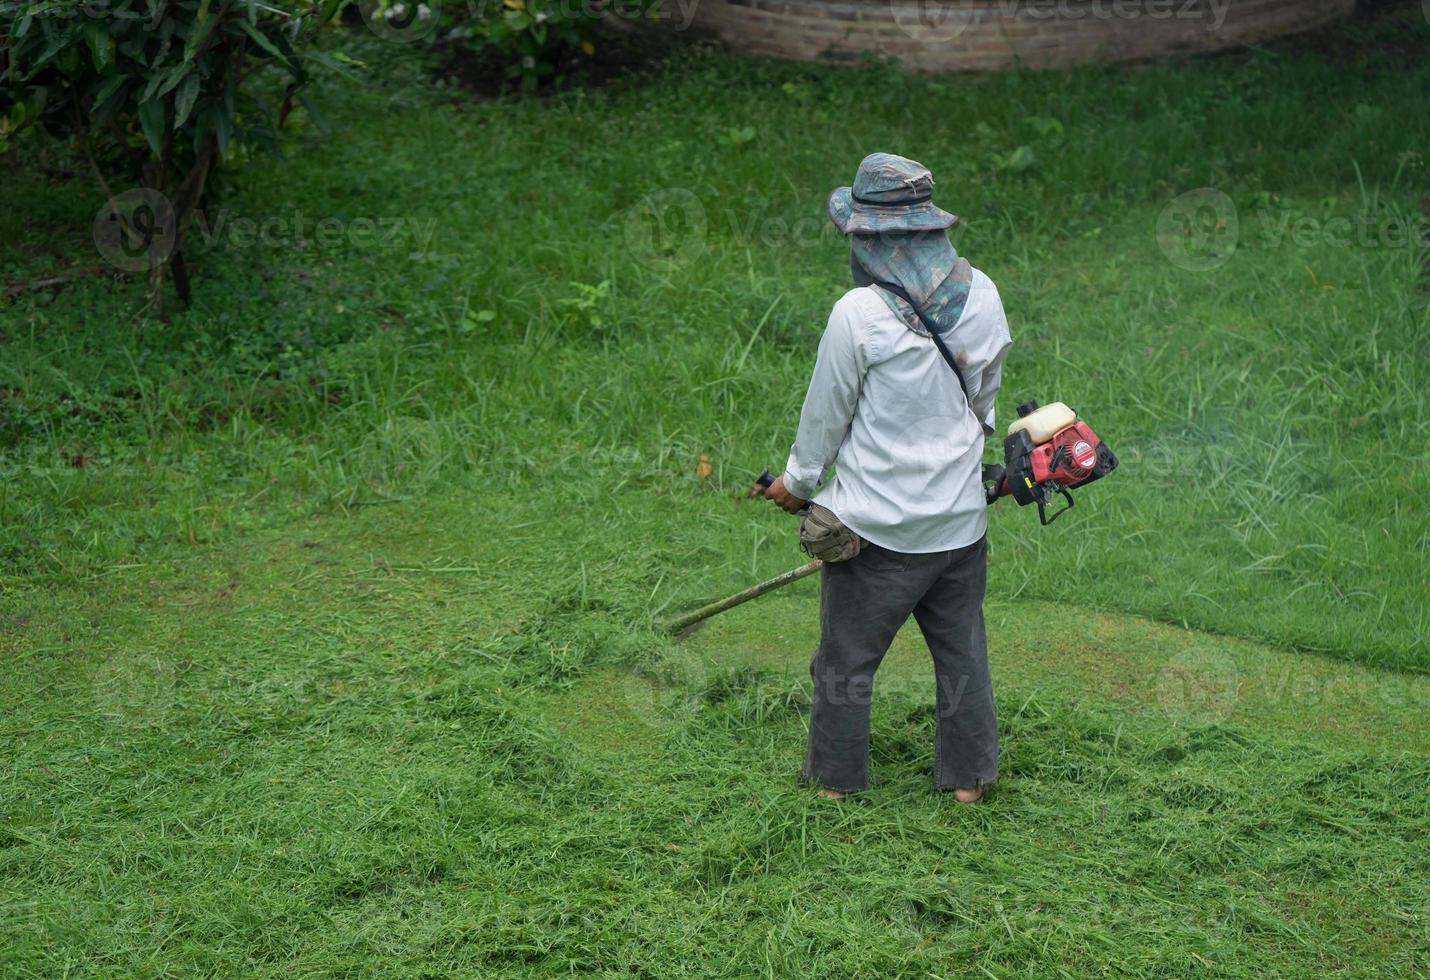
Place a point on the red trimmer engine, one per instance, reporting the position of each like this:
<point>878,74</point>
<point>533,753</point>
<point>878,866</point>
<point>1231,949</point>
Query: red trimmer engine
<point>1048,451</point>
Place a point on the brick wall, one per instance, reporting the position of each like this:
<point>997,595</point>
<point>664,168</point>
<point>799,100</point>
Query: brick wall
<point>972,35</point>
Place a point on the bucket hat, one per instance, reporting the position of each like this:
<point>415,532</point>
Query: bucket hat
<point>889,193</point>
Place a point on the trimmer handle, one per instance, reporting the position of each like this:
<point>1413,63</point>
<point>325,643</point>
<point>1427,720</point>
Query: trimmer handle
<point>995,484</point>
<point>762,483</point>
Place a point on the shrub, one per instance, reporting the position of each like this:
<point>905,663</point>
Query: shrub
<point>536,39</point>
<point>156,92</point>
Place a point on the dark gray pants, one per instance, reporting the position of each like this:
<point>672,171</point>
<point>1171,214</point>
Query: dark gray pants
<point>862,604</point>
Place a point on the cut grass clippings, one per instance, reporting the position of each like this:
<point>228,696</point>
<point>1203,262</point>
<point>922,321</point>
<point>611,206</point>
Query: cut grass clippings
<point>319,754</point>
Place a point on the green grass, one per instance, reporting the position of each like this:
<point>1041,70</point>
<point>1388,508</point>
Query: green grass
<point>1268,413</point>
<point>310,753</point>
<point>335,655</point>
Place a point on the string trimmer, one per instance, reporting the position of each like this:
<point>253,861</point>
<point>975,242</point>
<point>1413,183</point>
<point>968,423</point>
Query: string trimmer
<point>1048,452</point>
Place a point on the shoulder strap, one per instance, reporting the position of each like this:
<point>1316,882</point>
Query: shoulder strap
<point>933,332</point>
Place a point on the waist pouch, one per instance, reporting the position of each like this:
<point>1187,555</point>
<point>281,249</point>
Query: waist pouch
<point>824,536</point>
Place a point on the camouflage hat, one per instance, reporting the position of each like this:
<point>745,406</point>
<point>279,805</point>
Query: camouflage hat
<point>890,193</point>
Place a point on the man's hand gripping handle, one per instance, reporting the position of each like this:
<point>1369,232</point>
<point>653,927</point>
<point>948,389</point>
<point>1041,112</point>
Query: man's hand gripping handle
<point>773,487</point>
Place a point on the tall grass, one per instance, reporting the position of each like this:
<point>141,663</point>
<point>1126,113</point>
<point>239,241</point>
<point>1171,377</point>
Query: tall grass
<point>579,297</point>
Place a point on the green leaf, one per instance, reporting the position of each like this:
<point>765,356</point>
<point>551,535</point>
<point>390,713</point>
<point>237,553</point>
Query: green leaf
<point>223,131</point>
<point>203,126</point>
<point>155,80</point>
<point>262,40</point>
<point>1046,125</point>
<point>230,94</point>
<point>198,32</point>
<point>101,45</point>
<point>1019,161</point>
<point>184,101</point>
<point>337,63</point>
<point>151,120</point>
<point>110,86</point>
<point>314,112</point>
<point>174,77</point>
<point>59,42</point>
<point>68,60</point>
<point>290,57</point>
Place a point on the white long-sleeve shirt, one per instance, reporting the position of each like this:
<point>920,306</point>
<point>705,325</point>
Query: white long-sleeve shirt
<point>886,411</point>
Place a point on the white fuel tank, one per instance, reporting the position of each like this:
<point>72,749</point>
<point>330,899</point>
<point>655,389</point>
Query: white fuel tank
<point>1043,423</point>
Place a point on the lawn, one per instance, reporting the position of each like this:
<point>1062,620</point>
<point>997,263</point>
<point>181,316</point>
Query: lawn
<point>329,609</point>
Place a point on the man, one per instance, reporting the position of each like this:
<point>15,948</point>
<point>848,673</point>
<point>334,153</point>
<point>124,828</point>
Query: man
<point>902,523</point>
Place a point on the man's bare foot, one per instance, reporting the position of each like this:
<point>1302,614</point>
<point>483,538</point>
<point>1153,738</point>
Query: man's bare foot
<point>825,793</point>
<point>972,795</point>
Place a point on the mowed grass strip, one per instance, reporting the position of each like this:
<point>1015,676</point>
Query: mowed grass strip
<point>317,752</point>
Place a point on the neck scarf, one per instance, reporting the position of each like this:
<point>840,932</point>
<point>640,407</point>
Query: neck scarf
<point>924,265</point>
